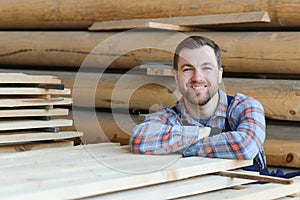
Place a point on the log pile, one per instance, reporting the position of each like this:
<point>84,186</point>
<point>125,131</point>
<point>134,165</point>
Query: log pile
<point>29,116</point>
<point>260,50</point>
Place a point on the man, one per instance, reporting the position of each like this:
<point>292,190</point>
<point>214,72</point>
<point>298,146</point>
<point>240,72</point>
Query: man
<point>205,121</point>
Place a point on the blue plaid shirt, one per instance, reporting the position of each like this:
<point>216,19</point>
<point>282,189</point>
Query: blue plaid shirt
<point>167,131</point>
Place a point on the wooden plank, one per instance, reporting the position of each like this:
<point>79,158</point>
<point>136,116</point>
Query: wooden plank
<point>202,20</point>
<point>33,112</point>
<point>114,174</point>
<point>265,191</point>
<point>192,186</point>
<point>257,177</point>
<point>34,146</point>
<point>28,124</point>
<point>32,91</point>
<point>283,152</point>
<point>6,103</point>
<point>24,78</point>
<point>36,136</point>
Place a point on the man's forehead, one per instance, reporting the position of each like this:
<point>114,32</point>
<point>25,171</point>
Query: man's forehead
<point>204,54</point>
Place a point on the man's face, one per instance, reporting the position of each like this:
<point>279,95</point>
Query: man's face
<point>198,76</point>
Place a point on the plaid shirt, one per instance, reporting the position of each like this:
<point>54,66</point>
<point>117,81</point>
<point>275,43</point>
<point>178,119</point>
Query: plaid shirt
<point>167,132</point>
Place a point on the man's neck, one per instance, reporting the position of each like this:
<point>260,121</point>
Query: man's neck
<point>204,111</point>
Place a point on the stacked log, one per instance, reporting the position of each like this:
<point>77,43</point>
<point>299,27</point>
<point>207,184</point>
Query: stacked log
<point>259,59</point>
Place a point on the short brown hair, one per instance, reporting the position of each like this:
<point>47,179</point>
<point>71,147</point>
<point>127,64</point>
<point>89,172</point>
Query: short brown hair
<point>194,42</point>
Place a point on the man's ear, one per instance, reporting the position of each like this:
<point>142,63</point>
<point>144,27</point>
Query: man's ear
<point>175,73</point>
<point>220,75</point>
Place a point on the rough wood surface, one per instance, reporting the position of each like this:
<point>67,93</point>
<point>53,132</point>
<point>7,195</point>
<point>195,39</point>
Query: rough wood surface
<point>74,14</point>
<point>82,171</point>
<point>31,136</point>
<point>283,152</point>
<point>266,52</point>
<point>230,18</point>
<point>34,146</point>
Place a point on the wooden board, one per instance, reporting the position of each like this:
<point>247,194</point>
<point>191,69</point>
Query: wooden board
<point>24,78</point>
<point>32,91</point>
<point>250,192</point>
<point>6,125</point>
<point>6,103</point>
<point>33,112</point>
<point>202,20</point>
<point>82,171</point>
<point>31,136</point>
<point>34,146</point>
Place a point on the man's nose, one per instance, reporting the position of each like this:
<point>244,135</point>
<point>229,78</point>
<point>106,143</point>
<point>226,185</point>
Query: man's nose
<point>197,75</point>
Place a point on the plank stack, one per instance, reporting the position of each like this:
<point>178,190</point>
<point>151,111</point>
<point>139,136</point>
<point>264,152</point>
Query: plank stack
<point>30,116</point>
<point>109,171</point>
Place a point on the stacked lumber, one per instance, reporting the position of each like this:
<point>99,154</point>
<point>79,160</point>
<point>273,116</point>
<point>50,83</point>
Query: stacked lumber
<point>259,40</point>
<point>29,112</point>
<point>92,171</point>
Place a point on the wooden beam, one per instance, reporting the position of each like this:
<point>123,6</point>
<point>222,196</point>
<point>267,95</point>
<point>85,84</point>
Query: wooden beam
<point>140,24</point>
<point>262,178</point>
<point>29,124</point>
<point>6,103</point>
<point>32,91</point>
<point>31,136</point>
<point>254,191</point>
<point>80,15</point>
<point>197,185</point>
<point>24,78</point>
<point>33,112</point>
<point>35,146</point>
<point>202,20</point>
<point>266,52</point>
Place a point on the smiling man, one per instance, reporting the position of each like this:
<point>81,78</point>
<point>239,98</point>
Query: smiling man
<point>205,121</point>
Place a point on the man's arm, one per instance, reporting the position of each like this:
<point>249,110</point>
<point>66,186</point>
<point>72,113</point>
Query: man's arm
<point>248,121</point>
<point>162,133</point>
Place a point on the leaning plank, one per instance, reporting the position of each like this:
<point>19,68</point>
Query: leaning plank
<point>24,78</point>
<point>29,124</point>
<point>35,146</point>
<point>34,102</point>
<point>265,191</point>
<point>37,136</point>
<point>112,175</point>
<point>33,112</point>
<point>202,20</point>
<point>32,91</point>
<point>196,185</point>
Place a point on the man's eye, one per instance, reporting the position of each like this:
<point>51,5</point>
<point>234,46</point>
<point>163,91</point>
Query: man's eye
<point>187,69</point>
<point>207,68</point>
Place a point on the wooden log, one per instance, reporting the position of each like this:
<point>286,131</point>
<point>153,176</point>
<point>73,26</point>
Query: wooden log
<point>279,97</point>
<point>283,152</point>
<point>73,14</point>
<point>266,52</point>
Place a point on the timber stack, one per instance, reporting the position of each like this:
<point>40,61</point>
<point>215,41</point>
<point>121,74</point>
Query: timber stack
<point>99,48</point>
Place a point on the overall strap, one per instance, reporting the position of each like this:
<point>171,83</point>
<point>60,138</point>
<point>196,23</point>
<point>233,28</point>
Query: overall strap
<point>227,127</point>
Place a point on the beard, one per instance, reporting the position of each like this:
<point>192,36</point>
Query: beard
<point>197,98</point>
